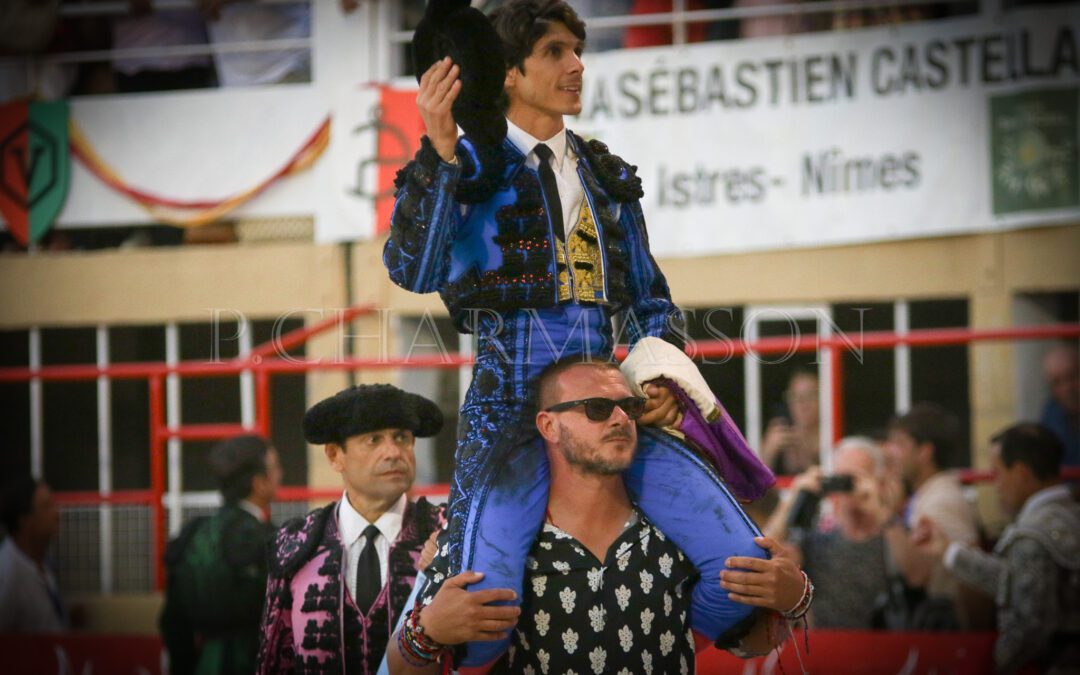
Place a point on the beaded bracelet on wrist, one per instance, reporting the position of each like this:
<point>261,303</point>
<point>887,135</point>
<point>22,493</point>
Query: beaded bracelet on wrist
<point>803,606</point>
<point>417,648</point>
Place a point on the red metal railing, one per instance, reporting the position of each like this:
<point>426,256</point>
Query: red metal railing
<point>266,360</point>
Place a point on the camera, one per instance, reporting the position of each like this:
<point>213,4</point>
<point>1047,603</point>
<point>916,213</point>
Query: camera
<point>841,482</point>
<point>804,511</point>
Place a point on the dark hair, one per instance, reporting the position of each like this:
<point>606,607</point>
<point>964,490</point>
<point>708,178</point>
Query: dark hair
<point>546,381</point>
<point>930,423</point>
<point>236,462</point>
<point>17,500</point>
<point>1032,445</point>
<point>521,23</point>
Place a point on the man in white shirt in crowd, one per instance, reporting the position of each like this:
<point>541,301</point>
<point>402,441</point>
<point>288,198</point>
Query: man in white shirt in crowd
<point>924,444</point>
<point>29,596</point>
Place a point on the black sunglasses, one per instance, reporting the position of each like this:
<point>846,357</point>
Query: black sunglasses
<point>599,409</point>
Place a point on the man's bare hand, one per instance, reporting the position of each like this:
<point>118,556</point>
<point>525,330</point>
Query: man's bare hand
<point>779,435</point>
<point>456,615</point>
<point>929,540</point>
<point>809,480</point>
<point>774,584</point>
<point>661,408</point>
<point>439,88</point>
<point>427,554</point>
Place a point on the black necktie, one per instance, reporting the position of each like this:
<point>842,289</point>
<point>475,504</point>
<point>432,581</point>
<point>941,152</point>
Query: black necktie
<point>550,188</point>
<point>368,578</point>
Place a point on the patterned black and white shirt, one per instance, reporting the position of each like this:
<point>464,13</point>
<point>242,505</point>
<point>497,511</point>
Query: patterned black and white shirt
<point>625,614</point>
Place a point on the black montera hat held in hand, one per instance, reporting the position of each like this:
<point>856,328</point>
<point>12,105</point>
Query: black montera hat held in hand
<point>370,407</point>
<point>453,28</point>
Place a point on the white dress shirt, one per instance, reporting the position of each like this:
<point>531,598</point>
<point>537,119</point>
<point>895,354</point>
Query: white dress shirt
<point>564,163</point>
<point>254,510</point>
<point>26,594</point>
<point>352,526</point>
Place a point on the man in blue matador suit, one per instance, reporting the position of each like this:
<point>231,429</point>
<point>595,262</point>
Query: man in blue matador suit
<point>534,244</point>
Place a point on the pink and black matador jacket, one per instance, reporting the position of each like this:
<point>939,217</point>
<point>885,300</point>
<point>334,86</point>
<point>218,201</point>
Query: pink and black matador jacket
<point>310,622</point>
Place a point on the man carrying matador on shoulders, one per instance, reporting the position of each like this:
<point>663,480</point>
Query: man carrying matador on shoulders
<point>535,240</point>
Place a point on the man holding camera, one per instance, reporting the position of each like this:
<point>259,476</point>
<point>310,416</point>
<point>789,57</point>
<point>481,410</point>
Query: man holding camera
<point>845,554</point>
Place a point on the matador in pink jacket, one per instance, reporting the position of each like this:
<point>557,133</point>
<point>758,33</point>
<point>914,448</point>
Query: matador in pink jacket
<point>340,576</point>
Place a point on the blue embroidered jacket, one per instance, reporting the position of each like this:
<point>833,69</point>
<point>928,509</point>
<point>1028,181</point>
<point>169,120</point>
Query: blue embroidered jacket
<point>478,233</point>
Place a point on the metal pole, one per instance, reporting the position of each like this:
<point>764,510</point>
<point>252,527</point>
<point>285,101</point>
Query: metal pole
<point>902,364</point>
<point>37,436</point>
<point>105,439</point>
<point>752,377</point>
<point>172,420</point>
<point>247,383</point>
<point>157,480</point>
<point>837,383</point>
<point>262,402</point>
<point>829,390</point>
<point>679,27</point>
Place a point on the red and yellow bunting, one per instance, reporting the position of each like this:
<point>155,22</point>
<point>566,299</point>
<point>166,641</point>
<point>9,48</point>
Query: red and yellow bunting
<point>195,213</point>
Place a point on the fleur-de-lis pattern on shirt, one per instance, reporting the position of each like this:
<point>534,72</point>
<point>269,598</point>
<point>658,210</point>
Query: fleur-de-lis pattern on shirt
<point>596,618</point>
<point>626,638</point>
<point>597,659</point>
<point>665,565</point>
<point>667,641</point>
<point>624,614</point>
<point>567,596</point>
<point>646,620</point>
<point>569,640</point>
<point>596,579</point>
<point>545,659</point>
<point>646,581</point>
<point>543,621</point>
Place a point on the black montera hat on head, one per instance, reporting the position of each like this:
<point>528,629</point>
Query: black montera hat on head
<point>453,28</point>
<point>370,407</point>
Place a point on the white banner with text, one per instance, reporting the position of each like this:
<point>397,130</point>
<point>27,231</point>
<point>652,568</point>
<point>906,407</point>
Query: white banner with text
<point>910,131</point>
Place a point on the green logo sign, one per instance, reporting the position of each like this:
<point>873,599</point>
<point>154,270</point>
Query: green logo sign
<point>1033,149</point>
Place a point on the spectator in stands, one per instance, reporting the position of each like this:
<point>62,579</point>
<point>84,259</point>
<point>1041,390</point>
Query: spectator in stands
<point>29,595</point>
<point>924,444</point>
<point>1061,414</point>
<point>217,566</point>
<point>1034,571</point>
<point>600,39</point>
<point>661,33</point>
<point>781,23</point>
<point>844,554</point>
<point>27,26</point>
<point>792,438</point>
<point>229,22</point>
<point>145,28</point>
